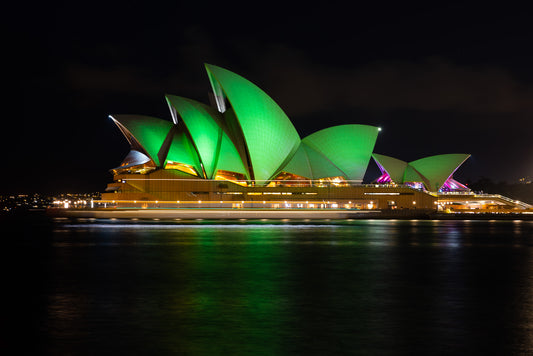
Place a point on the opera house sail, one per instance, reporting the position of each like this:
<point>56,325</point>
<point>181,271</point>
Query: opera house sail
<point>431,173</point>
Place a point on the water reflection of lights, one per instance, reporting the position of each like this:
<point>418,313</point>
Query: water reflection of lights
<point>193,226</point>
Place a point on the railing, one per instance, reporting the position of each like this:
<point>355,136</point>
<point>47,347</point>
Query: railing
<point>468,192</point>
<point>512,201</point>
<point>278,183</point>
<point>487,196</point>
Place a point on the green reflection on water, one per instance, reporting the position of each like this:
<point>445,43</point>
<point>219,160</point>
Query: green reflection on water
<point>237,296</point>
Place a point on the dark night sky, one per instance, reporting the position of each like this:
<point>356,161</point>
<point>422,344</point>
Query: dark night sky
<point>448,79</point>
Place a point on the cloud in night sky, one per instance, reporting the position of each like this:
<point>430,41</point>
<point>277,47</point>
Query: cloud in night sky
<point>433,84</point>
<point>303,87</point>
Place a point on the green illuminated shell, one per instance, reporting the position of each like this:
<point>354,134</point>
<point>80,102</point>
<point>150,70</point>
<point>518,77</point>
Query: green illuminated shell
<point>437,169</point>
<point>214,147</point>
<point>149,132</point>
<point>411,175</point>
<point>394,167</point>
<point>205,132</point>
<point>309,163</point>
<point>269,136</point>
<point>299,164</point>
<point>348,147</point>
<point>181,150</point>
<point>229,159</point>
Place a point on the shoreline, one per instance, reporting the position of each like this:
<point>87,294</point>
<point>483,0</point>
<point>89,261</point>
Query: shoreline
<point>276,214</point>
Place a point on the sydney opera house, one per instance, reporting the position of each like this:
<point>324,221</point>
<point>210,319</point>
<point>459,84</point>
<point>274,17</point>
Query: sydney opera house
<point>242,151</point>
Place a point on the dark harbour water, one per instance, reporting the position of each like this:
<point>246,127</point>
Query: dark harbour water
<point>377,287</point>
